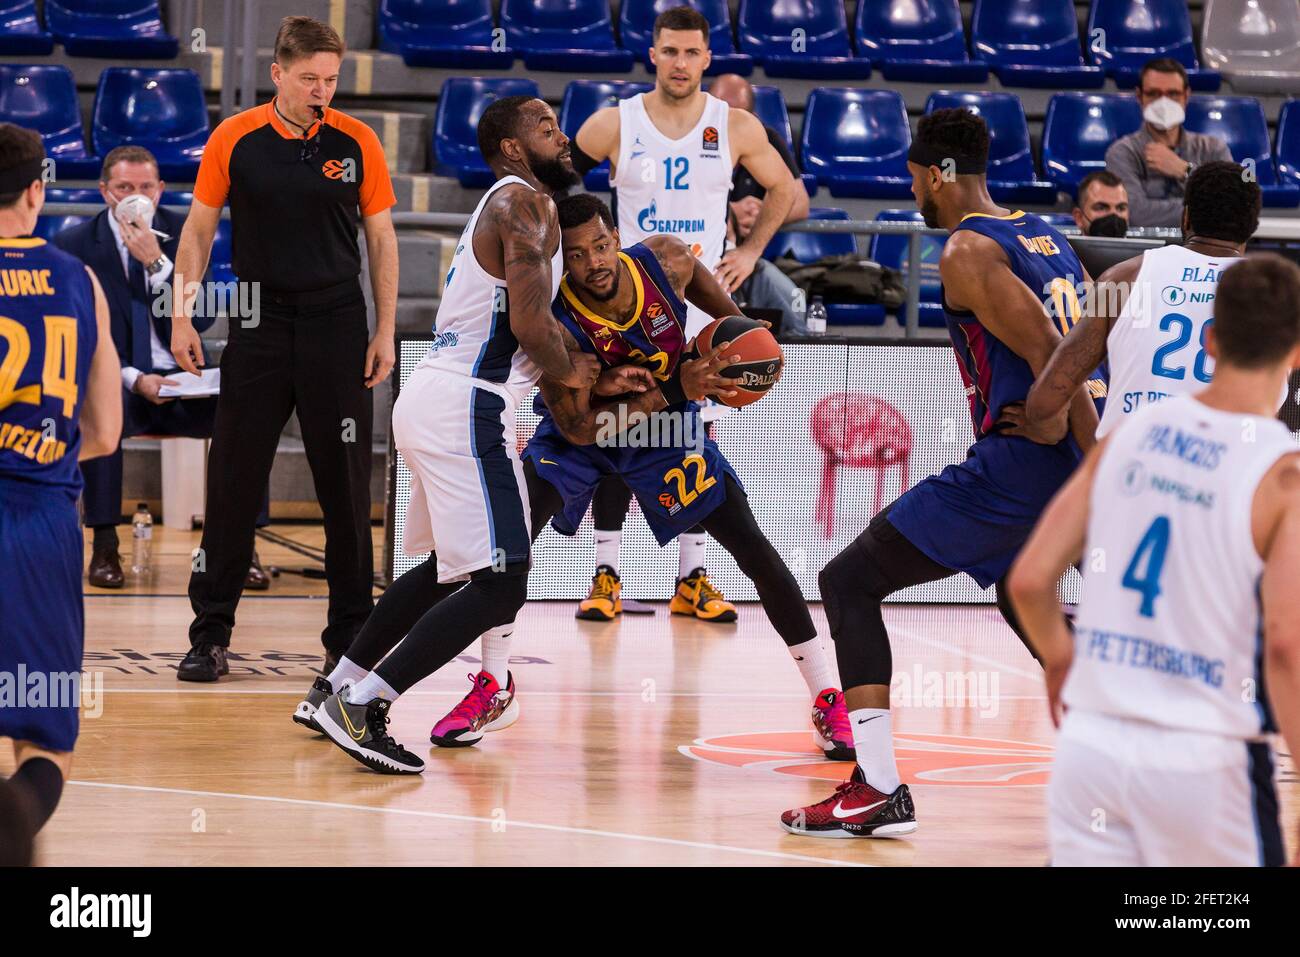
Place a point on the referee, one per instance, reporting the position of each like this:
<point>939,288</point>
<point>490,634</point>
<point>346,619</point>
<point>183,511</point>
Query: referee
<point>299,178</point>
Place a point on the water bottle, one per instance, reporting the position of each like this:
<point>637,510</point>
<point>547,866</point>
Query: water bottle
<point>141,538</point>
<point>816,319</point>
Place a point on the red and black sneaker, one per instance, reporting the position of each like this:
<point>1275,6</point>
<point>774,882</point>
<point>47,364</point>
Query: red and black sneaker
<point>856,809</point>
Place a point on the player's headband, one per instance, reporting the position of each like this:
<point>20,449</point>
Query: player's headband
<point>923,155</point>
<point>15,179</point>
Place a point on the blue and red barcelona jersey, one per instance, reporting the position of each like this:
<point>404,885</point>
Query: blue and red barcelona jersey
<point>47,338</point>
<point>655,335</point>
<point>1043,260</point>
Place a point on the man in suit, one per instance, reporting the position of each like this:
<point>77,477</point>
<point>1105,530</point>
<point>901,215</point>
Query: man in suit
<point>133,264</point>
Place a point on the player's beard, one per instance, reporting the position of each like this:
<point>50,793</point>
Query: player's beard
<point>613,289</point>
<point>552,173</point>
<point>930,211</point>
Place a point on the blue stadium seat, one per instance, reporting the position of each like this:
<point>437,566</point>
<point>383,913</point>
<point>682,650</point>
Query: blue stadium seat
<point>557,34</point>
<point>1288,143</point>
<point>461,102</point>
<point>173,197</point>
<point>769,107</point>
<point>636,21</point>
<point>1011,174</point>
<point>800,38</point>
<point>59,194</point>
<point>44,98</point>
<point>442,33</point>
<point>1078,130</point>
<point>583,98</point>
<point>1256,45</point>
<point>921,41</point>
<point>891,251</point>
<point>219,263</point>
<point>1125,34</point>
<point>1032,43</point>
<point>1239,121</point>
<point>809,247</point>
<point>162,110</point>
<point>855,142</point>
<point>47,227</point>
<point>116,29</point>
<point>1059,220</point>
<point>21,32</point>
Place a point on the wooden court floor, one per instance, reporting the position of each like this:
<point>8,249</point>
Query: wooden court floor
<point>648,741</point>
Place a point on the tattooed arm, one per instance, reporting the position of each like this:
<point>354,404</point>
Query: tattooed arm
<point>1080,352</point>
<point>515,239</point>
<point>689,278</point>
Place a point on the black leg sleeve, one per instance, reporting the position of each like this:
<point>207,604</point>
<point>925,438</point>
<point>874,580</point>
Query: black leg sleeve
<point>609,504</point>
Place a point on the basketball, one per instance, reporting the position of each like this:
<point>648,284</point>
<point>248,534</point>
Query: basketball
<point>761,359</point>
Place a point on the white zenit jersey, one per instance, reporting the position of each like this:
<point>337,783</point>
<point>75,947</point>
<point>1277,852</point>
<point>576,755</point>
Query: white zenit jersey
<point>679,187</point>
<point>1156,348</point>
<point>1168,631</point>
<point>472,335</point>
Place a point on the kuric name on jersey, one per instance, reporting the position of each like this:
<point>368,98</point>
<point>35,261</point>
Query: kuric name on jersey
<point>25,282</point>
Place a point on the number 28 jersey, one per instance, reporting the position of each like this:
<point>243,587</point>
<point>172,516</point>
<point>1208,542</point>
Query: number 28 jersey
<point>1168,631</point>
<point>48,336</point>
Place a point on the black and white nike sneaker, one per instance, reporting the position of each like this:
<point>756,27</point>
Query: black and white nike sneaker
<point>305,713</point>
<point>362,731</point>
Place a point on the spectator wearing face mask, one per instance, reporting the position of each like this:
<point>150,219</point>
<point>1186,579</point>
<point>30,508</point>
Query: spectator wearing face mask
<point>1102,205</point>
<point>1154,162</point>
<point>133,264</point>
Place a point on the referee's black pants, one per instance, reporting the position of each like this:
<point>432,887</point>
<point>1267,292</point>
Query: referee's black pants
<point>304,351</point>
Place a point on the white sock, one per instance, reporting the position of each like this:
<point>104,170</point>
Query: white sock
<point>369,688</point>
<point>873,738</point>
<point>690,554</point>
<point>495,650</point>
<point>815,665</point>
<point>607,545</point>
<point>345,673</point>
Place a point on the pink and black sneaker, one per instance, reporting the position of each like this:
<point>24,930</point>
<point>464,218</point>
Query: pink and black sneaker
<point>487,707</point>
<point>831,730</point>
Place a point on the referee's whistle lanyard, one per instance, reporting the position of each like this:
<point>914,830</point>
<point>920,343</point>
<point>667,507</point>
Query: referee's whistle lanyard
<point>309,146</point>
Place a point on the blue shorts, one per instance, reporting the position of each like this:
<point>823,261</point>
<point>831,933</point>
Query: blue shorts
<point>42,624</point>
<point>677,486</point>
<point>974,517</point>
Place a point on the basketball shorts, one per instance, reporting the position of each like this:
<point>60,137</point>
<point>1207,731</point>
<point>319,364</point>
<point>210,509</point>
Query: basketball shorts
<point>1128,793</point>
<point>42,623</point>
<point>677,485</point>
<point>469,502</point>
<point>975,516</point>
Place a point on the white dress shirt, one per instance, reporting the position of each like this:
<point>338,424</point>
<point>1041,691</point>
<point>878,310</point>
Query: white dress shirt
<point>161,352</point>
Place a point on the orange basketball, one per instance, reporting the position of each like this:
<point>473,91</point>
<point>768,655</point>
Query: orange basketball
<point>761,359</point>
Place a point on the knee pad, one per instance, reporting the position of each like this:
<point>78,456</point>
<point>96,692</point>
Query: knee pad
<point>858,569</point>
<point>501,593</point>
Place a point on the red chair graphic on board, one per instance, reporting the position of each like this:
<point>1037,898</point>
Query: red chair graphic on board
<point>857,431</point>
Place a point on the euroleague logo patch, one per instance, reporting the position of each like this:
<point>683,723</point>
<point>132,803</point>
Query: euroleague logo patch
<point>710,138</point>
<point>333,169</point>
<point>952,760</point>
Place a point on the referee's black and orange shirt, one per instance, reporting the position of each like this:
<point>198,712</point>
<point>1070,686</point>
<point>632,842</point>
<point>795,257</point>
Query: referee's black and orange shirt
<point>294,220</point>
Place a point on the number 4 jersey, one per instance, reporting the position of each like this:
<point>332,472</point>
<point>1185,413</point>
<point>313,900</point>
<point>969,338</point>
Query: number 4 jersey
<point>1169,628</point>
<point>47,338</point>
<point>1156,348</point>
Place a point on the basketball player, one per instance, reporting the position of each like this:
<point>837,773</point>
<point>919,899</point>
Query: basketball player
<point>1151,359</point>
<point>671,153</point>
<point>60,401</point>
<point>1188,635</point>
<point>1001,269</point>
<point>629,306</point>
<point>454,424</point>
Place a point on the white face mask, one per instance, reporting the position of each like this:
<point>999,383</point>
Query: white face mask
<point>1164,113</point>
<point>137,206</point>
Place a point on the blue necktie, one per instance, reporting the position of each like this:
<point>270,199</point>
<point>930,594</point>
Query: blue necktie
<point>141,353</point>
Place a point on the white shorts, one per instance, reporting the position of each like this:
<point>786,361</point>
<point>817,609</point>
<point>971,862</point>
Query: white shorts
<point>1131,794</point>
<point>469,501</point>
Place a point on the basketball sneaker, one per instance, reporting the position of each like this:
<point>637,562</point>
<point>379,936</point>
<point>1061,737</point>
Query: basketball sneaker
<point>305,714</point>
<point>856,809</point>
<point>831,729</point>
<point>487,707</point>
<point>603,603</point>
<point>362,731</point>
<point>696,596</point>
